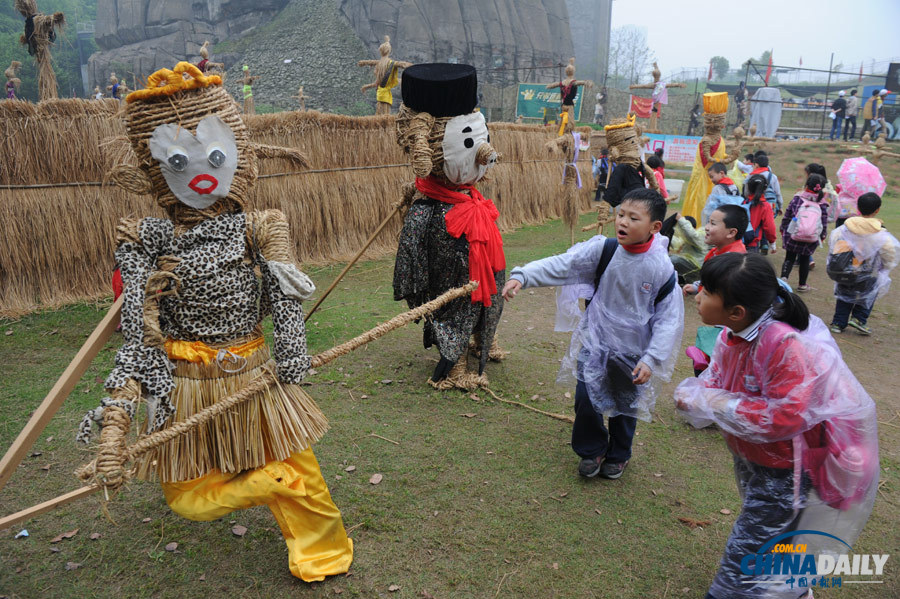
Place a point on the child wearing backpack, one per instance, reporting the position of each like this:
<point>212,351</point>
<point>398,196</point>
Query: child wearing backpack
<point>802,430</point>
<point>803,227</point>
<point>626,340</point>
<point>762,217</point>
<point>861,254</point>
<point>724,191</point>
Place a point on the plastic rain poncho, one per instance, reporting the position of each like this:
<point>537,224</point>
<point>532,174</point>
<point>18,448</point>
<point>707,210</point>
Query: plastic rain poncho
<point>865,277</point>
<point>804,436</point>
<point>620,327</point>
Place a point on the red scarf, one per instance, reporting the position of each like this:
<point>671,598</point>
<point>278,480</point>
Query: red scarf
<point>474,216</point>
<point>638,248</point>
<point>759,170</point>
<point>725,181</point>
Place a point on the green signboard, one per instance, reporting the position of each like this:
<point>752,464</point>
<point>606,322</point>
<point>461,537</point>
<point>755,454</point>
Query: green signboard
<point>534,100</point>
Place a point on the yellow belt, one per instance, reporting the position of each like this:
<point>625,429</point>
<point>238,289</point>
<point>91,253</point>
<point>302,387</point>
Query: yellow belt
<point>197,351</point>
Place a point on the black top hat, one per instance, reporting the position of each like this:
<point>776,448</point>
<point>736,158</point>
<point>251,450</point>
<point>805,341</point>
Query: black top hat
<point>440,89</point>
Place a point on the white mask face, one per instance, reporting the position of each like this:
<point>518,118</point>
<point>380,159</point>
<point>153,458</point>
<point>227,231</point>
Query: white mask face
<point>198,169</point>
<point>463,136</point>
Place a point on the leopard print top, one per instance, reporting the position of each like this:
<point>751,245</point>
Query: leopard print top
<point>219,299</point>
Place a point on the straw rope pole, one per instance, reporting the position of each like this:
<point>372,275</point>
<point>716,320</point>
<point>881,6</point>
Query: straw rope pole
<point>89,471</point>
<point>358,255</point>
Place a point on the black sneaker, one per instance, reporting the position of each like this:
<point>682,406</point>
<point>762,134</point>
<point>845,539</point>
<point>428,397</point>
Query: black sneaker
<point>612,470</point>
<point>589,467</point>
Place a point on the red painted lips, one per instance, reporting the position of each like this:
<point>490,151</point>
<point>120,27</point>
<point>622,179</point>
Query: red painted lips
<point>210,181</point>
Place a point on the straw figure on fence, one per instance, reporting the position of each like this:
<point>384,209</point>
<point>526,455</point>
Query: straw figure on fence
<point>197,285</point>
<point>247,88</point>
<point>568,90</point>
<point>711,149</point>
<point>40,33</point>
<point>301,98</point>
<point>660,95</point>
<point>205,65</point>
<point>624,139</point>
<point>115,89</point>
<point>571,143</point>
<point>12,81</point>
<point>387,76</point>
<point>449,234</point>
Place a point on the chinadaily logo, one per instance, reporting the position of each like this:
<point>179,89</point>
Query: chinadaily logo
<point>785,560</point>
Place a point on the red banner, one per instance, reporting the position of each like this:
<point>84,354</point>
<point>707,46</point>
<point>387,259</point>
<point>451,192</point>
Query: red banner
<point>641,106</point>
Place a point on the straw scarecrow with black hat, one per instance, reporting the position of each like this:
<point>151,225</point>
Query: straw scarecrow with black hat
<point>449,235</point>
<point>197,285</point>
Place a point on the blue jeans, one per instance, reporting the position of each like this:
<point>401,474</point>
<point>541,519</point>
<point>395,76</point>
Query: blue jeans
<point>591,439</point>
<point>835,126</point>
<point>843,310</point>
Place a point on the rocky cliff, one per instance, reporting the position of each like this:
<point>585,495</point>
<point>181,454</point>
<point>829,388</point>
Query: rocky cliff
<point>316,43</point>
<point>137,37</point>
<point>490,34</point>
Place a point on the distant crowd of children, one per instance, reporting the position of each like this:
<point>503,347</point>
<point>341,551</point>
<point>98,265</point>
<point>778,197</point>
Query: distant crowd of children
<point>802,430</point>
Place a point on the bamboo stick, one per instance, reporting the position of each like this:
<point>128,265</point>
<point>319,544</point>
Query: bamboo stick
<point>350,264</point>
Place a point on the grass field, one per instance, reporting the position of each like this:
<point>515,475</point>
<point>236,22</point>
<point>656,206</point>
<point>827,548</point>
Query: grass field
<point>478,499</point>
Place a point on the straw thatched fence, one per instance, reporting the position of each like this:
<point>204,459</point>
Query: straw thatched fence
<point>58,221</point>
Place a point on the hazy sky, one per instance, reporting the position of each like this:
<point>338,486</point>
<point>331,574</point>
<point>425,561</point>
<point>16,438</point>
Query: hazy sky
<point>687,33</point>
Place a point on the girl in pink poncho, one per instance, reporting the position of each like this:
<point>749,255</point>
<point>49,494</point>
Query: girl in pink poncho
<point>801,428</point>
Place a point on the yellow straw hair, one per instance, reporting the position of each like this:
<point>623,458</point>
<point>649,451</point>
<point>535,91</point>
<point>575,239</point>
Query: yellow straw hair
<point>168,83</point>
<point>628,122</point>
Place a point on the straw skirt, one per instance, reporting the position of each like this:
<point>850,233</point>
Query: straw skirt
<point>280,421</point>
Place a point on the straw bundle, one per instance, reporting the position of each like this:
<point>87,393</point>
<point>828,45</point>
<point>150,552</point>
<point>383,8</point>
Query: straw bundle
<point>40,33</point>
<point>57,244</point>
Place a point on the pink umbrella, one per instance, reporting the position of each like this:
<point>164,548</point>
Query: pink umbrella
<point>857,176</point>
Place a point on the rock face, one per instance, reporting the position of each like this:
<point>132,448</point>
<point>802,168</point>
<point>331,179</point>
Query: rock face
<point>316,43</point>
<point>590,24</point>
<point>490,34</point>
<point>137,37</point>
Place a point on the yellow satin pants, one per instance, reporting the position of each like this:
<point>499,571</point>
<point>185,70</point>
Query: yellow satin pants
<point>299,499</point>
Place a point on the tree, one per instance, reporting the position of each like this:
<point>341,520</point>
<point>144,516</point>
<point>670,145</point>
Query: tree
<point>629,56</point>
<point>720,66</point>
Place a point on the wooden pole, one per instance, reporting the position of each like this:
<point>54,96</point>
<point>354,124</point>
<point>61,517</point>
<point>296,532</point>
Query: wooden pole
<point>40,508</point>
<point>59,392</point>
<point>350,264</point>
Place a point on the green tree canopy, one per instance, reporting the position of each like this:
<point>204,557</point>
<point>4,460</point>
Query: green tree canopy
<point>720,66</point>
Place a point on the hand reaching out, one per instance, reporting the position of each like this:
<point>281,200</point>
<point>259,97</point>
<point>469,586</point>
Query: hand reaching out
<point>511,288</point>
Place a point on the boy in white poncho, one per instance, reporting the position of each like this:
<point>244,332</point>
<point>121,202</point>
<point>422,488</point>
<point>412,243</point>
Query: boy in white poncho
<point>861,254</point>
<point>628,336</point>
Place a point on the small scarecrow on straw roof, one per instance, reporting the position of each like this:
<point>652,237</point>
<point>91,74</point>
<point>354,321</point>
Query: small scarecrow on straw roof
<point>660,95</point>
<point>40,33</point>
<point>301,98</point>
<point>623,137</point>
<point>247,80</point>
<point>12,82</point>
<point>449,235</point>
<point>115,89</point>
<point>205,65</point>
<point>571,143</point>
<point>386,76</point>
<point>568,90</point>
<point>191,320</point>
<point>710,150</point>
